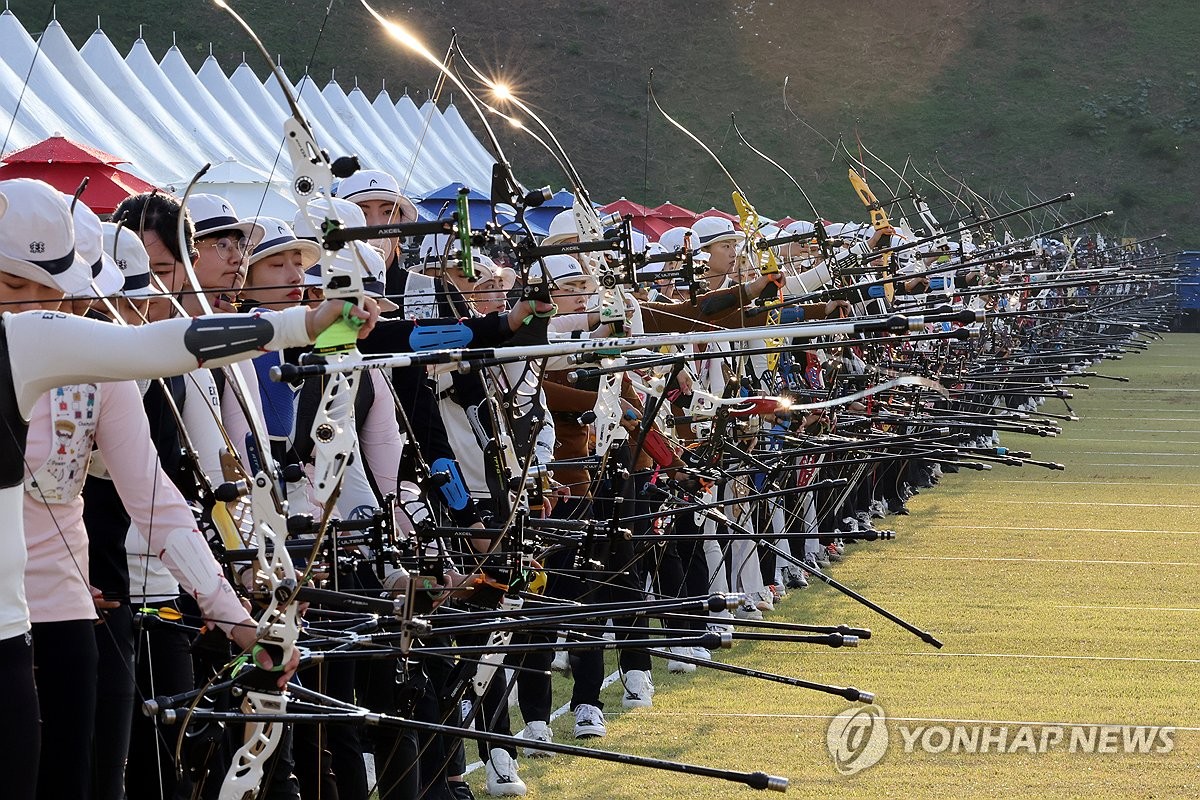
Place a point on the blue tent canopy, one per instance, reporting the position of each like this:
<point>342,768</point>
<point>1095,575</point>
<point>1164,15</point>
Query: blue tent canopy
<point>442,203</point>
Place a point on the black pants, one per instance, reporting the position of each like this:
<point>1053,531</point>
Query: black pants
<point>163,667</point>
<point>64,659</point>
<point>114,703</point>
<point>20,739</point>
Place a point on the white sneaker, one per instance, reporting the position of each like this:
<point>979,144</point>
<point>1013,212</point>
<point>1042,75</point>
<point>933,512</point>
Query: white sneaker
<point>747,610</point>
<point>502,778</point>
<point>639,689</point>
<point>561,662</point>
<point>681,667</point>
<point>537,732</point>
<point>589,722</point>
<point>702,652</point>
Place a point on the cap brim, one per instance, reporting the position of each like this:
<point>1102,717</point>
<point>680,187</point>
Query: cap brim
<point>722,237</point>
<point>366,195</point>
<point>3,205</point>
<point>75,281</point>
<point>140,292</point>
<point>244,227</point>
<point>310,250</point>
<point>559,238</point>
<point>110,281</point>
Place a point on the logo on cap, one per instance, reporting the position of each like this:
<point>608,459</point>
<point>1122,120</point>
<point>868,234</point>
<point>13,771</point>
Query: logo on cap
<point>37,248</point>
<point>374,182</point>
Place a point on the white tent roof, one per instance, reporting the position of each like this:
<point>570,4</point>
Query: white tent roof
<point>78,118</point>
<point>234,135</point>
<point>385,156</point>
<point>166,120</point>
<point>106,63</point>
<point>252,192</point>
<point>34,119</point>
<point>157,140</point>
<point>439,171</point>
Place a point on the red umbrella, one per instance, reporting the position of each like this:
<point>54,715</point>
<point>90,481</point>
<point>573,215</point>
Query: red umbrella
<point>783,222</point>
<point>625,207</point>
<point>662,218</point>
<point>640,215</point>
<point>64,164</point>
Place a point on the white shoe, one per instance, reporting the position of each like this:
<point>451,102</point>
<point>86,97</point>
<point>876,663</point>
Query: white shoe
<point>747,610</point>
<point>502,778</point>
<point>589,722</point>
<point>537,732</point>
<point>702,652</point>
<point>639,689</point>
<point>681,667</point>
<point>561,662</point>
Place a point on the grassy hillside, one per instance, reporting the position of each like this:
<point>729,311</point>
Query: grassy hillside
<point>1092,96</point>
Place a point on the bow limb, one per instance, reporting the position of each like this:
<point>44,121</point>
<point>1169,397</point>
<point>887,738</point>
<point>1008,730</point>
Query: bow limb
<point>278,627</point>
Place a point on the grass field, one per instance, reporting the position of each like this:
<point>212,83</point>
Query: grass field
<point>1062,597</point>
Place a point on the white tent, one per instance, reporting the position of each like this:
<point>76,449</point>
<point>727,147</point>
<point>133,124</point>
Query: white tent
<point>166,120</point>
<point>253,192</point>
<point>389,156</point>
<point>78,118</point>
<point>439,172</point>
<point>212,80</point>
<point>156,147</point>
<point>32,120</point>
<point>234,136</point>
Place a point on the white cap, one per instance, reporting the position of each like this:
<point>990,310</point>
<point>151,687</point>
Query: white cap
<point>858,230</point>
<point>347,212</point>
<point>280,238</point>
<point>37,237</point>
<point>374,184</point>
<point>711,230</point>
<point>3,205</point>
<point>436,246</point>
<point>801,227</point>
<point>562,228</point>
<point>89,248</point>
<point>213,214</point>
<point>672,241</point>
<point>561,268</point>
<point>129,254</point>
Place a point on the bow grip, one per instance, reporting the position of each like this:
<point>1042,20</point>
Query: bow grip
<point>342,334</point>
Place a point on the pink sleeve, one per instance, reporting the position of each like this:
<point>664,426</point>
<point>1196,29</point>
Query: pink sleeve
<point>156,506</point>
<point>379,440</point>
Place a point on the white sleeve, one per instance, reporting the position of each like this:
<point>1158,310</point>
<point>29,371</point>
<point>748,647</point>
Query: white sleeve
<point>49,349</point>
<point>809,281</point>
<point>543,445</point>
<point>201,411</point>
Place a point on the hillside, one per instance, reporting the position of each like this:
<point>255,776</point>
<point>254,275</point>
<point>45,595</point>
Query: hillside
<point>1029,96</point>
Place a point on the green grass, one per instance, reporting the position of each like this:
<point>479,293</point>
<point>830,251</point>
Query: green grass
<point>1038,584</point>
